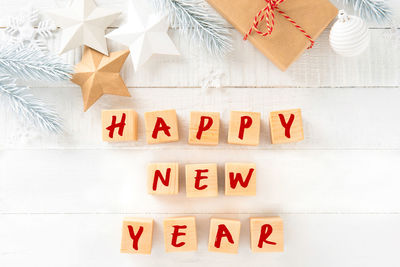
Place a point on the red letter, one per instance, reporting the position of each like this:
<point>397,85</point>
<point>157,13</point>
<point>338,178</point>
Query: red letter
<point>287,125</point>
<point>202,127</point>
<point>114,125</point>
<point>245,122</point>
<point>198,178</point>
<point>264,235</point>
<point>136,237</point>
<point>160,126</point>
<point>158,175</point>
<point>222,232</point>
<point>238,178</point>
<point>175,235</point>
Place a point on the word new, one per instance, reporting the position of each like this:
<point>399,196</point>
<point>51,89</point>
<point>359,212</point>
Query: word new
<point>162,127</point>
<point>201,179</point>
<point>266,235</point>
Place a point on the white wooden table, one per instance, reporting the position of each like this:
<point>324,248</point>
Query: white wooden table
<point>63,198</point>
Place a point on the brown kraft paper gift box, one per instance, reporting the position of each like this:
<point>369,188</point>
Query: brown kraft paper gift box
<point>286,43</point>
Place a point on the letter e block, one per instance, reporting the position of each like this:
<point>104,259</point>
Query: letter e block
<point>204,128</point>
<point>161,126</point>
<point>244,128</point>
<point>163,178</point>
<point>224,235</point>
<point>137,235</point>
<point>180,234</point>
<point>240,179</point>
<point>119,125</point>
<point>286,126</point>
<point>201,180</point>
<point>266,234</point>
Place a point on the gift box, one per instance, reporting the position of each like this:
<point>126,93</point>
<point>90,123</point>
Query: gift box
<point>292,21</point>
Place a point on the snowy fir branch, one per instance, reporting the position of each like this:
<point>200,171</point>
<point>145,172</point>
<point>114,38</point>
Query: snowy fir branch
<point>29,108</point>
<point>372,10</point>
<point>196,19</point>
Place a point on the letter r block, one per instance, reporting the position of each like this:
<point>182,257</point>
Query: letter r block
<point>137,235</point>
<point>204,128</point>
<point>163,178</point>
<point>201,180</point>
<point>161,126</point>
<point>240,179</point>
<point>180,234</point>
<point>119,125</point>
<point>224,235</point>
<point>286,126</point>
<point>266,234</point>
<point>244,128</point>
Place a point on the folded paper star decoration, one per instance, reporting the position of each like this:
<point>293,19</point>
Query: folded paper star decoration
<point>98,74</point>
<point>83,24</point>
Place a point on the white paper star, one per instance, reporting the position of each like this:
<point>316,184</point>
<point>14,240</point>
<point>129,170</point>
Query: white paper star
<point>145,33</point>
<point>83,24</point>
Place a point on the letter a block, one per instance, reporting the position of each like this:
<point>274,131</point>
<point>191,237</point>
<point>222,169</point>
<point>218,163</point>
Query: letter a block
<point>204,128</point>
<point>180,234</point>
<point>137,235</point>
<point>201,180</point>
<point>163,178</point>
<point>161,126</point>
<point>240,179</point>
<point>119,125</point>
<point>224,235</point>
<point>286,126</point>
<point>266,234</point>
<point>244,128</point>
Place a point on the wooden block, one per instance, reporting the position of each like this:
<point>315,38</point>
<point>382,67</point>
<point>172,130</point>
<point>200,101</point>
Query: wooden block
<point>244,128</point>
<point>163,178</point>
<point>240,179</point>
<point>266,234</point>
<point>286,126</point>
<point>137,235</point>
<point>119,125</point>
<point>204,128</point>
<point>180,234</point>
<point>201,180</point>
<point>224,235</point>
<point>161,126</point>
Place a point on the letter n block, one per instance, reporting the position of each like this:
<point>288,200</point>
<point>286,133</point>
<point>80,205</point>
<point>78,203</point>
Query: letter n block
<point>163,178</point>
<point>240,179</point>
<point>161,126</point>
<point>119,125</point>
<point>224,235</point>
<point>137,235</point>
<point>204,128</point>
<point>286,126</point>
<point>180,234</point>
<point>244,128</point>
<point>266,234</point>
<point>201,180</point>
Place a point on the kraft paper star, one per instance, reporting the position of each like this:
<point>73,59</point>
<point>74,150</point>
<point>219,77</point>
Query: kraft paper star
<point>98,74</point>
<point>83,24</point>
<point>145,33</point>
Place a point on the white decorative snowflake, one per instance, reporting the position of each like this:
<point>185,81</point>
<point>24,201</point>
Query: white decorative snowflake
<point>26,30</point>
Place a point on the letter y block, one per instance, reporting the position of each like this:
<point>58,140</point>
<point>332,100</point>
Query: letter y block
<point>137,235</point>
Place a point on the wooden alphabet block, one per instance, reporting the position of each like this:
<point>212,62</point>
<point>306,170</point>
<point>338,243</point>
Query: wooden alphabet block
<point>240,179</point>
<point>266,234</point>
<point>204,128</point>
<point>224,235</point>
<point>161,126</point>
<point>286,126</point>
<point>119,125</point>
<point>201,180</point>
<point>137,235</point>
<point>163,178</point>
<point>244,128</point>
<point>180,234</point>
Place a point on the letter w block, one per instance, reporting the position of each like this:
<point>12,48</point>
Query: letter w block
<point>163,178</point>
<point>240,179</point>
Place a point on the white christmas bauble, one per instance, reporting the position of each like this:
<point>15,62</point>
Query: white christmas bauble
<point>349,35</point>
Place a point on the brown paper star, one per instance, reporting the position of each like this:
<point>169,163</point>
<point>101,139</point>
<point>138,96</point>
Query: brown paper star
<point>98,74</point>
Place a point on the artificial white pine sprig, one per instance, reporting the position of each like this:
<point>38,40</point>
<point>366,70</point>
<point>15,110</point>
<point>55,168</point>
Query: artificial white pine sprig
<point>372,10</point>
<point>31,109</point>
<point>196,19</point>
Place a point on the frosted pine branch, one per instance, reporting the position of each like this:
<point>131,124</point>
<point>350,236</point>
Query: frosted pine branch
<point>196,19</point>
<point>372,10</point>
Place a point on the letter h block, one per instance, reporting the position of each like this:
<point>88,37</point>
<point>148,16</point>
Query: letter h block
<point>286,126</point>
<point>119,125</point>
<point>163,178</point>
<point>180,234</point>
<point>137,235</point>
<point>266,234</point>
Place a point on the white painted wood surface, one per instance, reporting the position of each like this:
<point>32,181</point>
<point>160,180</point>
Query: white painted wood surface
<point>63,198</point>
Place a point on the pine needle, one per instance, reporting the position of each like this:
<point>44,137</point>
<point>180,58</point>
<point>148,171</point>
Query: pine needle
<point>372,10</point>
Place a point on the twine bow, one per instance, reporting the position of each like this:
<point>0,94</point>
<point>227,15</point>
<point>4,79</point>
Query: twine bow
<point>268,13</point>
